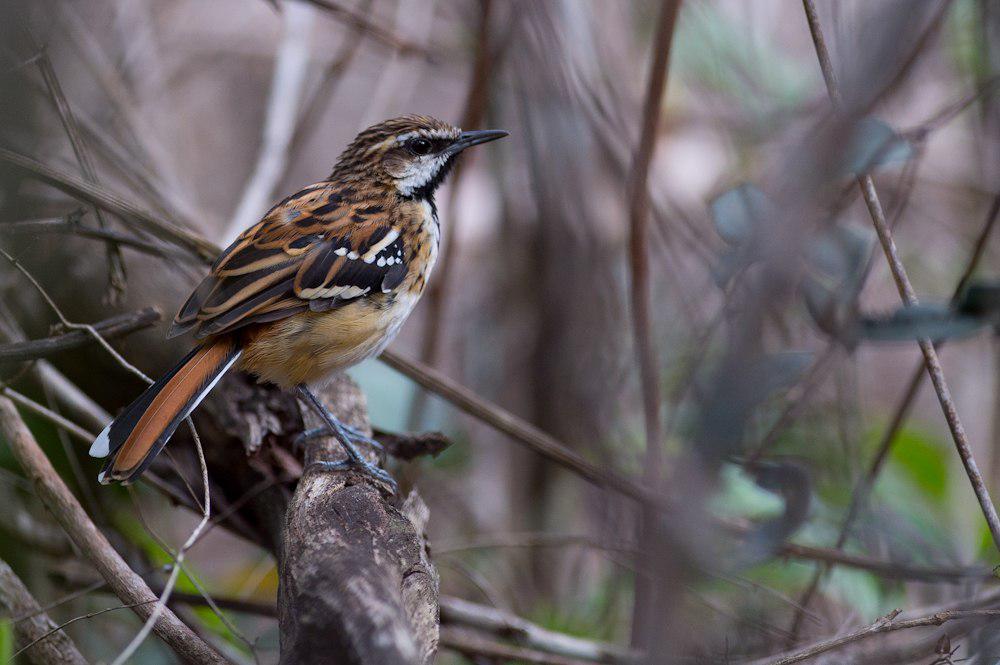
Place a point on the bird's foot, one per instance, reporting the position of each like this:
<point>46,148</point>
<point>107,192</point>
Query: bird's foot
<point>347,437</point>
<point>367,468</point>
<point>356,436</point>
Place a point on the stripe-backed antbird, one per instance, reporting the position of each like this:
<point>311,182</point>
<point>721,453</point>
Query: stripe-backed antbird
<point>322,282</point>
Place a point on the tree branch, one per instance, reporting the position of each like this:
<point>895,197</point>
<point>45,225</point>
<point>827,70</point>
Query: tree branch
<point>291,63</point>
<point>125,583</point>
<point>100,196</point>
<point>907,294</point>
<point>355,575</point>
<point>534,438</point>
<point>31,624</point>
<point>456,611</point>
<point>115,326</point>
<point>361,22</point>
<point>886,624</point>
<point>863,489</point>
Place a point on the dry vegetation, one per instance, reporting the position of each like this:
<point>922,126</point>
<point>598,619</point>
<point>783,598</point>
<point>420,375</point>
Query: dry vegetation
<point>690,408</point>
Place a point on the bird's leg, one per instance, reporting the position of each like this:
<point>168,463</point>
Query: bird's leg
<point>347,437</point>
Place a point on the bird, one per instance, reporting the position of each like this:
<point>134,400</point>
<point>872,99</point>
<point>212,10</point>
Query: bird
<point>322,282</point>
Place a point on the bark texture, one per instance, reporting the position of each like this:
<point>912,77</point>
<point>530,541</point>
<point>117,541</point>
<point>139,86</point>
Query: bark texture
<point>17,602</point>
<point>357,584</point>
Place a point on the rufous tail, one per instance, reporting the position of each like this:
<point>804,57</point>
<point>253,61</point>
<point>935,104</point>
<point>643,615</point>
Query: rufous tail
<point>138,434</point>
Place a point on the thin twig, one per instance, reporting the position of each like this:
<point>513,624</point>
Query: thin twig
<point>101,196</point>
<point>89,615</point>
<point>888,569</point>
<point>862,492</point>
<point>541,442</point>
<point>638,207</point>
<point>455,611</point>
<point>948,113</point>
<point>71,225</point>
<point>115,326</point>
<point>647,358</point>
<point>161,604</point>
<point>75,326</point>
<point>476,647</point>
<point>361,22</point>
<point>125,582</point>
<point>907,294</point>
<point>291,63</point>
<point>116,264</point>
<point>886,624</point>
<point>39,410</point>
<point>531,539</point>
<point>16,600</point>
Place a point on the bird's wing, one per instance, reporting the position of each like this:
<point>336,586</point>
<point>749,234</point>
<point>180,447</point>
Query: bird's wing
<point>314,250</point>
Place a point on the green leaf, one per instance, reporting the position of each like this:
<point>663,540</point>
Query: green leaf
<point>779,371</point>
<point>837,261</point>
<point>6,641</point>
<point>856,589</point>
<point>981,299</point>
<point>741,496</point>
<point>875,144</point>
<point>922,461</point>
<point>919,322</point>
<point>739,213</point>
<point>842,253</point>
<point>726,267</point>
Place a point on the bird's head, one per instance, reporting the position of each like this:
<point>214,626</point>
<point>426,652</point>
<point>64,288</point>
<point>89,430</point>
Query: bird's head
<point>412,154</point>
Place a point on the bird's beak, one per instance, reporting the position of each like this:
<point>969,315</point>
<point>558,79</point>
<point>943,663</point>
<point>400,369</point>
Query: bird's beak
<point>469,139</point>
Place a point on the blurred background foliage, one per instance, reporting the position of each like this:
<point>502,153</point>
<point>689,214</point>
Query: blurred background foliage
<point>530,306</point>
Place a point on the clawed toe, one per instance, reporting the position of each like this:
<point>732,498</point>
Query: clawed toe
<point>308,435</point>
<point>368,469</point>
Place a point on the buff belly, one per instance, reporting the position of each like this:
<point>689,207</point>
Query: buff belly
<point>310,347</point>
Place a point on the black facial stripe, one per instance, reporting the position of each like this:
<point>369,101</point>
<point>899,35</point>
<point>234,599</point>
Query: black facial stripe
<point>426,193</point>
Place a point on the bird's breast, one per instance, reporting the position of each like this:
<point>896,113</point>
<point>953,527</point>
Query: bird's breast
<point>422,237</point>
<point>310,347</point>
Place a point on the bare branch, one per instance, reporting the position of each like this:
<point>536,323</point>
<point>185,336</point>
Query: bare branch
<point>35,628</point>
<point>100,196</point>
<point>861,493</point>
<point>525,633</point>
<point>125,583</point>
<point>908,296</point>
<point>476,648</point>
<point>291,63</point>
<point>72,225</point>
<point>115,326</point>
<point>542,443</point>
<point>361,22</point>
<point>638,206</point>
<point>116,264</point>
<point>39,410</point>
<point>884,625</point>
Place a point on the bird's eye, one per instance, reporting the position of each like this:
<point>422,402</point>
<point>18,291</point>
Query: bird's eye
<point>420,146</point>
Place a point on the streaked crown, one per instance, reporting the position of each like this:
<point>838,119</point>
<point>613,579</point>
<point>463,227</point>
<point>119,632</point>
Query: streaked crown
<point>412,153</point>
